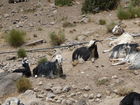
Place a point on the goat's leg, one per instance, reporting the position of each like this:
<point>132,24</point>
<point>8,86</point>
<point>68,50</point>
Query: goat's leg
<point>119,63</point>
<point>118,59</point>
<point>105,51</point>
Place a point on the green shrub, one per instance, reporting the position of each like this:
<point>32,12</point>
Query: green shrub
<point>135,2</point>
<point>68,24</point>
<point>110,26</point>
<point>21,53</point>
<point>42,60</point>
<point>64,2</point>
<point>129,13</point>
<point>23,84</point>
<point>57,38</point>
<point>40,29</point>
<point>94,6</point>
<point>102,22</point>
<point>16,38</point>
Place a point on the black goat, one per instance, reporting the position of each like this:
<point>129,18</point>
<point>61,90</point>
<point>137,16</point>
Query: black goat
<point>132,98</point>
<point>26,70</point>
<point>17,1</point>
<point>86,53</point>
<point>50,69</point>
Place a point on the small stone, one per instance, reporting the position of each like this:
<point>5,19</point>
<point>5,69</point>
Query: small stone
<point>66,88</point>
<point>99,95</point>
<point>91,96</point>
<point>6,15</point>
<point>40,83</point>
<point>57,90</point>
<point>114,77</point>
<point>51,95</point>
<point>97,100</point>
<point>87,88</point>
<point>85,95</point>
<point>136,72</point>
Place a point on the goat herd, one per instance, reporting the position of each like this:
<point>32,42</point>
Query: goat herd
<point>123,49</point>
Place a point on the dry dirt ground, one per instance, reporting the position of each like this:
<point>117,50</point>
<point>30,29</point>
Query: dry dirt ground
<point>86,74</point>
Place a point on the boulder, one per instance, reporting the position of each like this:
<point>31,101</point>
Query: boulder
<point>8,83</point>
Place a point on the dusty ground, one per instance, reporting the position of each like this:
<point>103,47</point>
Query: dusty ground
<point>83,74</point>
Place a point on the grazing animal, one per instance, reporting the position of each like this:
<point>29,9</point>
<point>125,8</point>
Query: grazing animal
<point>26,70</point>
<point>17,1</point>
<point>50,69</point>
<point>118,30</point>
<point>132,98</point>
<point>119,51</point>
<point>132,57</point>
<point>86,53</point>
<point>123,39</point>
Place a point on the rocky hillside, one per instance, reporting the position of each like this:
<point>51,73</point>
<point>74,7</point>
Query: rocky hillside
<point>85,84</point>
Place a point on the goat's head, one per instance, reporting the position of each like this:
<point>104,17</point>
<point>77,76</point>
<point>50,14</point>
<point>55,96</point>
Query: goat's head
<point>118,30</point>
<point>58,58</point>
<point>93,42</point>
<point>25,62</point>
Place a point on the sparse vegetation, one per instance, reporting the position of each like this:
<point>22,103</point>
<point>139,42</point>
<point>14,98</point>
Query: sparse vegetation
<point>128,13</point>
<point>16,38</point>
<point>102,22</point>
<point>102,81</point>
<point>23,84</point>
<point>64,2</point>
<point>40,29</point>
<point>21,53</point>
<point>29,10</point>
<point>123,91</point>
<point>110,26</point>
<point>68,24</point>
<point>42,60</point>
<point>57,38</point>
<point>94,6</point>
<point>135,2</point>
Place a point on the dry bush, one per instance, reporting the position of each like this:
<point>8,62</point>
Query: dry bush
<point>64,2</point>
<point>57,38</point>
<point>23,84</point>
<point>16,38</point>
<point>102,22</point>
<point>94,6</point>
<point>123,91</point>
<point>21,53</point>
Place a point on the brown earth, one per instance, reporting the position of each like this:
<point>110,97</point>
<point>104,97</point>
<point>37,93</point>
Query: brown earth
<point>86,74</point>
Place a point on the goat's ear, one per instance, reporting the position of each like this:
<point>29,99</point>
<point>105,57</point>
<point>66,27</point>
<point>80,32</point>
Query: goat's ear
<point>138,48</point>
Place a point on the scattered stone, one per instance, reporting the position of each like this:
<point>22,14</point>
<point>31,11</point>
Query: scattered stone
<point>91,96</point>
<point>51,95</point>
<point>99,95</point>
<point>87,88</point>
<point>66,89</point>
<point>114,77</point>
<point>40,83</point>
<point>85,95</point>
<point>57,90</point>
<point>136,72</point>
<point>81,102</point>
<point>6,15</point>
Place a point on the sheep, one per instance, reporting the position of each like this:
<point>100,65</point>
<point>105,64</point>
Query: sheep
<point>123,39</point>
<point>26,70</point>
<point>86,53</point>
<point>132,98</point>
<point>50,69</point>
<point>132,58</point>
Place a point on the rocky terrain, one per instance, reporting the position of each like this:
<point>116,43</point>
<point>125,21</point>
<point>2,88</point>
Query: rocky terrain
<point>85,84</point>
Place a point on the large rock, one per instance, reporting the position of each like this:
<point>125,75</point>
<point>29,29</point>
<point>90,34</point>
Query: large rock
<point>8,83</point>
